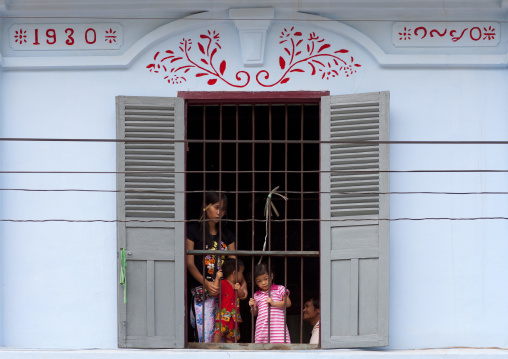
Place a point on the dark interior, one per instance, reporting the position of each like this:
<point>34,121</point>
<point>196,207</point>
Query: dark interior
<point>272,154</point>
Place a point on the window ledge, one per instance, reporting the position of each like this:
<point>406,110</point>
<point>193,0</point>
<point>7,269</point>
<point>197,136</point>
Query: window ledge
<point>456,353</point>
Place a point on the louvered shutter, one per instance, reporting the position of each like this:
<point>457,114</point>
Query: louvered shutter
<point>354,236</point>
<point>150,185</point>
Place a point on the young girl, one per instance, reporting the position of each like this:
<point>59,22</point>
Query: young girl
<point>231,293</point>
<point>269,300</point>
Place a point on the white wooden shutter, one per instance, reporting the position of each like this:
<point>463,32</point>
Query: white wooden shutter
<point>354,238</point>
<point>150,200</point>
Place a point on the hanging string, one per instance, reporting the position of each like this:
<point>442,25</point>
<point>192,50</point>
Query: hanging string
<point>269,206</point>
<point>123,276</point>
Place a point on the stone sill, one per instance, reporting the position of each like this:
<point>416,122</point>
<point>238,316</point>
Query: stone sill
<point>454,353</point>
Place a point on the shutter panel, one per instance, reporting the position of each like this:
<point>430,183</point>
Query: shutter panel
<point>150,183</point>
<point>354,241</point>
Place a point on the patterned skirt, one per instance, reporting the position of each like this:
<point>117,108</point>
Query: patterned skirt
<point>202,315</point>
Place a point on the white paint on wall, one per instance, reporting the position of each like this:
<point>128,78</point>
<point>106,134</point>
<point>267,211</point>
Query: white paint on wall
<point>229,354</point>
<point>447,278</point>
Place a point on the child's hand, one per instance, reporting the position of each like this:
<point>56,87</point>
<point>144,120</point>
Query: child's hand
<point>252,302</point>
<point>219,274</point>
<point>269,300</point>
<point>242,292</point>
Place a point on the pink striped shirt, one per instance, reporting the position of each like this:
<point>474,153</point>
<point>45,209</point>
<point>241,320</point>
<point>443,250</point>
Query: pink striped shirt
<point>277,324</point>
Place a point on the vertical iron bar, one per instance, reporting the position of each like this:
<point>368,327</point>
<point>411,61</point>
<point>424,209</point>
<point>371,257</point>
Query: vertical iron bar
<point>187,308</point>
<point>269,209</point>
<point>269,204</point>
<point>319,215</point>
<point>285,211</point>
<point>302,152</point>
<point>218,263</point>
<point>253,201</point>
<point>205,225</point>
<point>237,308</point>
<point>269,201</point>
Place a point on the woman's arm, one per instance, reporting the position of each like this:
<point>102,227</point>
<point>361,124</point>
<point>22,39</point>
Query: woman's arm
<point>243,287</point>
<point>211,287</point>
<point>232,247</point>
<point>242,294</point>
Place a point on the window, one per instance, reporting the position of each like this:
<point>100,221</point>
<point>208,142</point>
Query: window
<point>346,190</point>
<point>244,151</point>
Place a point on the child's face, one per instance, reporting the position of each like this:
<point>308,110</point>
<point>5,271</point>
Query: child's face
<point>263,282</point>
<point>232,277</point>
<point>240,275</point>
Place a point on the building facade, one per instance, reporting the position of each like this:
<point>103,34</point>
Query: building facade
<point>434,274</point>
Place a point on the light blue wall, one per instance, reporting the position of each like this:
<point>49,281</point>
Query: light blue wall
<point>2,236</point>
<point>447,278</point>
<point>454,353</point>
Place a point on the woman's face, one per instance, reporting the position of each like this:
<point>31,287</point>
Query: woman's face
<point>216,211</point>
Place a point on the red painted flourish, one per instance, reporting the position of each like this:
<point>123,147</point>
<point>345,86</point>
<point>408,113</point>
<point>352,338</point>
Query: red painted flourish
<point>474,33</point>
<point>457,38</point>
<point>205,66</point>
<point>298,53</point>
<point>321,61</point>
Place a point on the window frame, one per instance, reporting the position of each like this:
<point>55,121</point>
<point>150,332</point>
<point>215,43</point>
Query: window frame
<point>248,97</point>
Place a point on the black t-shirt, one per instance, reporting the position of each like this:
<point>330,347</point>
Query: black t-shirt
<point>194,234</point>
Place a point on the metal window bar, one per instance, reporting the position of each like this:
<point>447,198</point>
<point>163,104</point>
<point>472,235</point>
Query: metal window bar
<point>269,270</point>
<point>253,215</point>
<point>302,152</point>
<point>220,258</point>
<point>286,171</point>
<point>204,228</point>
<point>269,218</point>
<point>286,183</point>
<point>237,306</point>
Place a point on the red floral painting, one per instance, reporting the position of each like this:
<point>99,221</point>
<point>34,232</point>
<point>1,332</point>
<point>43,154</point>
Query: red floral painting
<point>309,55</point>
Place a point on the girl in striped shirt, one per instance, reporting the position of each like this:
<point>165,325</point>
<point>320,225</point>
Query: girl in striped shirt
<point>269,299</point>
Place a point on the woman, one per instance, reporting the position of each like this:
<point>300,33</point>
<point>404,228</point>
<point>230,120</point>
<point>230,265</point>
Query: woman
<point>210,234</point>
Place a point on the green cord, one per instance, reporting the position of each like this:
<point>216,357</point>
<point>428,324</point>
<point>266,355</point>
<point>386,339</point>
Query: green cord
<point>123,277</point>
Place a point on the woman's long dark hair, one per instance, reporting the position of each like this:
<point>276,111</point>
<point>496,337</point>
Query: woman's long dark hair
<point>212,197</point>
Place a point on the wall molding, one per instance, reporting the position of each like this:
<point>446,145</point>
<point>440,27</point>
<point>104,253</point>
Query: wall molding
<point>252,26</point>
<point>177,27</point>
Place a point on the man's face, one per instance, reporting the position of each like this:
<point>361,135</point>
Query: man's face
<point>309,312</point>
